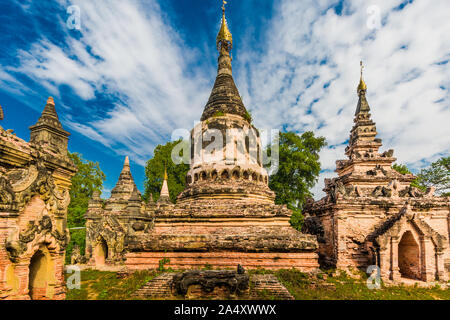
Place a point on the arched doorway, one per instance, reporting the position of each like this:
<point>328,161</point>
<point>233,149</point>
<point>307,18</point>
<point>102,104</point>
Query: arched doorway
<point>409,257</point>
<point>101,252</point>
<point>38,276</point>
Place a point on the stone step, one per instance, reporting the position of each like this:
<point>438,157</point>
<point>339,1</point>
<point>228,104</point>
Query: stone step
<point>270,284</point>
<point>159,286</point>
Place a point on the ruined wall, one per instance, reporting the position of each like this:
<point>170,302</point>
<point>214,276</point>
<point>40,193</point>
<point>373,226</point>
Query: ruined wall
<point>34,196</point>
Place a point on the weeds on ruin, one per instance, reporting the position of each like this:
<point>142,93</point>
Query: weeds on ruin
<point>162,264</point>
<point>330,285</point>
<point>101,285</point>
<point>327,285</point>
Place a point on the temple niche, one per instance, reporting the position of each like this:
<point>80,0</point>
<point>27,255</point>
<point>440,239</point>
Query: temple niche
<point>371,215</point>
<point>225,216</point>
<point>35,179</point>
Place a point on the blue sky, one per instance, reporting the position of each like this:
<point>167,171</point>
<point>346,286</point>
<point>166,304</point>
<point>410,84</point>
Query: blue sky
<point>137,70</point>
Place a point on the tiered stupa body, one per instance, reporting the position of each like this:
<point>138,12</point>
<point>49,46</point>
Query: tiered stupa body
<point>372,215</point>
<point>226,162</point>
<point>226,215</point>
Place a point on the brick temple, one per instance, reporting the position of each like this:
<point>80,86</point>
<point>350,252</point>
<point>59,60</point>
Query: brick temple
<point>226,215</point>
<point>371,215</point>
<point>35,178</point>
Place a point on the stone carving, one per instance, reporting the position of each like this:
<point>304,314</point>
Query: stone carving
<point>375,171</point>
<point>411,192</point>
<point>77,257</point>
<point>388,154</point>
<point>34,195</point>
<point>237,283</point>
<point>365,215</point>
<point>381,191</point>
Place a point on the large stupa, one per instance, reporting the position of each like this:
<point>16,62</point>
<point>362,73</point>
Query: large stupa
<point>226,215</point>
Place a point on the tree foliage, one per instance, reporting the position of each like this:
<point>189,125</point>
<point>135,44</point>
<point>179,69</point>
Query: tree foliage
<point>154,172</point>
<point>436,175</point>
<point>88,179</point>
<point>401,168</point>
<point>298,172</point>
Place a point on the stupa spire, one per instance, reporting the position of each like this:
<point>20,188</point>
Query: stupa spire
<point>48,129</point>
<point>225,97</point>
<point>224,38</point>
<point>363,142</point>
<point>1,113</point>
<point>125,184</point>
<point>362,85</point>
<point>165,195</point>
<point>49,115</point>
<point>363,105</point>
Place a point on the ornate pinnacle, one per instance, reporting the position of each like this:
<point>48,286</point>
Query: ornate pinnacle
<point>362,85</point>
<point>224,35</point>
<point>50,101</point>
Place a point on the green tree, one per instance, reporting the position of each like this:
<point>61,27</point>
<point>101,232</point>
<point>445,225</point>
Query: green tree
<point>89,178</point>
<point>401,168</point>
<point>154,172</point>
<point>298,171</point>
<point>437,175</point>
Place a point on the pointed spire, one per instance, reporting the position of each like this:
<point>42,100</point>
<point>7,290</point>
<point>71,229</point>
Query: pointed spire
<point>48,129</point>
<point>165,195</point>
<point>125,184</point>
<point>362,85</point>
<point>51,101</point>
<point>225,97</point>
<point>49,115</point>
<point>363,105</point>
<point>224,38</point>
<point>363,142</point>
<point>1,113</point>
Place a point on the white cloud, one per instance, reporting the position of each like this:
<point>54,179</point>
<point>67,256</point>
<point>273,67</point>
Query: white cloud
<point>304,80</point>
<point>404,84</point>
<point>128,52</point>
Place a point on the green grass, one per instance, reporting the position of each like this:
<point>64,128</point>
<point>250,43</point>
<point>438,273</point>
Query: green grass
<point>100,285</point>
<point>343,287</point>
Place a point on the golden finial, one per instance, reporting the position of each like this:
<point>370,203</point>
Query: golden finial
<point>224,33</point>
<point>165,173</point>
<point>362,85</point>
<point>50,101</point>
